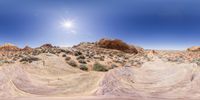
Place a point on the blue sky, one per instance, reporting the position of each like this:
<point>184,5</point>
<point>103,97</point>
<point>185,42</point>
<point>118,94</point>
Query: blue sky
<point>158,24</point>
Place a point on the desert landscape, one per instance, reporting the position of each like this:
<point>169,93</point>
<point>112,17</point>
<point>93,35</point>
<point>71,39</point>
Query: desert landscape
<point>99,50</point>
<point>107,69</point>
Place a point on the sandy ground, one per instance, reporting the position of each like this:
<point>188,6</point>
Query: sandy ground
<point>71,98</point>
<point>52,79</point>
<point>155,79</point>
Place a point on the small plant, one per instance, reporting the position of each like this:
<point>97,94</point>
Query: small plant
<point>80,57</point>
<point>83,67</point>
<point>82,61</point>
<point>67,58</point>
<point>29,59</point>
<point>77,53</point>
<point>99,67</point>
<point>72,63</point>
<point>2,62</point>
<point>64,55</point>
<point>197,61</point>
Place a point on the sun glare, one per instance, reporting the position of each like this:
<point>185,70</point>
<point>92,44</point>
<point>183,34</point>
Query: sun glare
<point>68,24</point>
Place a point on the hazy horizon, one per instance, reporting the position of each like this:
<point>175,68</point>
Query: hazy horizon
<point>155,24</point>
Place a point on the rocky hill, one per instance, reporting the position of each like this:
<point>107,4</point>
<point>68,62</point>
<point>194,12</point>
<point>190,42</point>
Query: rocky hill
<point>9,47</point>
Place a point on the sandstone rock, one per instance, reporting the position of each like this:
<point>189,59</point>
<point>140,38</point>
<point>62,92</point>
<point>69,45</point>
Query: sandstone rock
<point>116,44</point>
<point>9,47</point>
<point>97,57</point>
<point>194,49</point>
<point>151,53</point>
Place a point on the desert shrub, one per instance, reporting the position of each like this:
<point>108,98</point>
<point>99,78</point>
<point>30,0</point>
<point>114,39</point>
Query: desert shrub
<point>83,67</point>
<point>99,67</point>
<point>72,63</point>
<point>2,62</point>
<point>197,61</point>
<point>80,57</point>
<point>77,53</point>
<point>64,55</point>
<point>29,59</point>
<point>82,61</point>
<point>117,44</point>
<point>67,58</point>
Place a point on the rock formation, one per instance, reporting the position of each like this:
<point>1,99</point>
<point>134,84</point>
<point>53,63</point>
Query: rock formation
<point>116,44</point>
<point>9,47</point>
<point>194,49</point>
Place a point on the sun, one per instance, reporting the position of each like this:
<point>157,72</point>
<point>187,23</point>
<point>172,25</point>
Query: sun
<point>69,24</point>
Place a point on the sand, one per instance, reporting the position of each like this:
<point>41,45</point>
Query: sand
<point>52,79</point>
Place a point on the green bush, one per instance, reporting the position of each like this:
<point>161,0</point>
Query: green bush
<point>99,67</point>
<point>83,67</point>
<point>197,61</point>
<point>29,59</point>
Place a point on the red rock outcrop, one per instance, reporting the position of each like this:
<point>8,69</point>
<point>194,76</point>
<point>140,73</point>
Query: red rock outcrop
<point>27,48</point>
<point>9,47</point>
<point>116,44</point>
<point>194,49</point>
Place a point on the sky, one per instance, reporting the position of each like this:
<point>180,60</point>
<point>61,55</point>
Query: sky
<point>151,24</point>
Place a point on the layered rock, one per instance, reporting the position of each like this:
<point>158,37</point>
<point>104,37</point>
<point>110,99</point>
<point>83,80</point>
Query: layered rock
<point>27,49</point>
<point>9,47</point>
<point>194,49</point>
<point>116,44</point>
